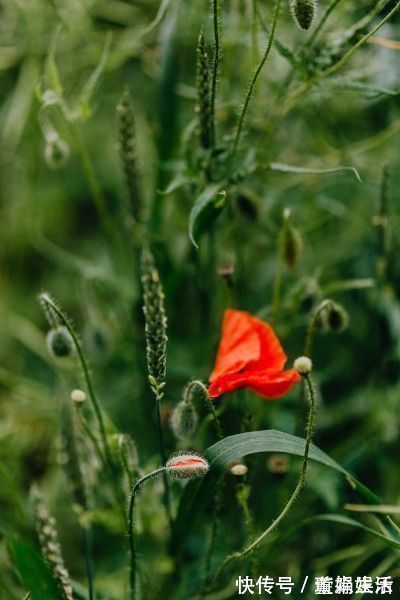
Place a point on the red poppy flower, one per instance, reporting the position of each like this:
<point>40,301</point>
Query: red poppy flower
<point>250,356</point>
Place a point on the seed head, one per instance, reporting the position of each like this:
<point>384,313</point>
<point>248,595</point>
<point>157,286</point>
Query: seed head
<point>303,12</point>
<point>59,342</point>
<point>187,465</point>
<point>303,365</point>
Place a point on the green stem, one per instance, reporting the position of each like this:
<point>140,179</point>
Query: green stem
<point>323,20</point>
<point>52,306</point>
<point>131,529</point>
<point>89,560</point>
<point>209,404</point>
<point>90,435</point>
<point>309,432</point>
<point>312,326</point>
<point>294,97</point>
<point>253,81</point>
<point>215,67</point>
<point>167,499</point>
<point>276,297</point>
<point>96,191</point>
<point>85,370</point>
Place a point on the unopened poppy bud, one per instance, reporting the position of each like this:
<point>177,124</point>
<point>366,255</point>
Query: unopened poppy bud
<point>290,242</point>
<point>184,419</point>
<point>59,342</point>
<point>239,470</point>
<point>78,397</point>
<point>187,465</point>
<point>335,317</point>
<point>303,12</point>
<point>303,365</point>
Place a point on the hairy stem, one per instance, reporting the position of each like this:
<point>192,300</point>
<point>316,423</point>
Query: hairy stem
<point>215,66</point>
<point>131,529</point>
<point>309,432</point>
<point>253,81</point>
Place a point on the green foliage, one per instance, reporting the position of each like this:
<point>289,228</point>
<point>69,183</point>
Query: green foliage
<point>221,117</point>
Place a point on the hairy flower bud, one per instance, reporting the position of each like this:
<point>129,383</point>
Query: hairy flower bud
<point>239,470</point>
<point>335,317</point>
<point>78,397</point>
<point>290,242</point>
<point>303,365</point>
<point>184,419</point>
<point>187,465</point>
<point>59,342</point>
<point>303,12</point>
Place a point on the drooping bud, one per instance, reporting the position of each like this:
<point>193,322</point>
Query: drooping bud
<point>59,342</point>
<point>303,365</point>
<point>187,465</point>
<point>303,12</point>
<point>184,419</point>
<point>335,317</point>
<point>290,241</point>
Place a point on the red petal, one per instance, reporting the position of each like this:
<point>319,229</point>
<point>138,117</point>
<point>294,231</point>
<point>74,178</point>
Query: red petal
<point>267,385</point>
<point>272,354</point>
<point>240,344</point>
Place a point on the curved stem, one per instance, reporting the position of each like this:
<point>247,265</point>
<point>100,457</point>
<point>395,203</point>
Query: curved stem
<point>209,403</point>
<point>253,81</point>
<point>52,306</point>
<point>85,370</point>
<point>131,529</point>
<point>296,492</point>
<point>312,326</point>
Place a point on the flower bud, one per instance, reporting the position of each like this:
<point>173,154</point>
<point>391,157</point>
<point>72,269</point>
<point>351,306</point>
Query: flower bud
<point>290,242</point>
<point>303,12</point>
<point>78,397</point>
<point>239,470</point>
<point>278,464</point>
<point>187,465</point>
<point>184,419</point>
<point>303,365</point>
<point>335,317</point>
<point>59,342</point>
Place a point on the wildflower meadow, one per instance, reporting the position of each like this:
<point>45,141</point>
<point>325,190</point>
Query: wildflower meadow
<point>199,299</point>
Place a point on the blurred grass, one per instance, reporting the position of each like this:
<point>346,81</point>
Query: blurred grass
<point>52,237</point>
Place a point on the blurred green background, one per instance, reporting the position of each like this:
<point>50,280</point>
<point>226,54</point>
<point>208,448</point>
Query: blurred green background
<point>65,228</point>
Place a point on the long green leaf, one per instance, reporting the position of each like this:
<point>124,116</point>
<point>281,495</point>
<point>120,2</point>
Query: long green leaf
<point>343,520</point>
<point>206,209</point>
<point>282,168</point>
<point>198,494</point>
<point>33,571</point>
